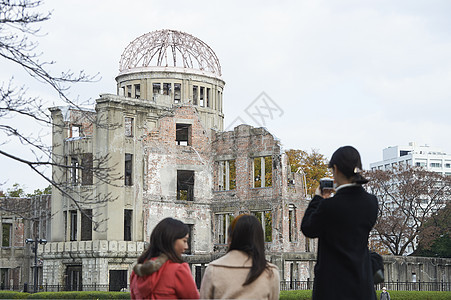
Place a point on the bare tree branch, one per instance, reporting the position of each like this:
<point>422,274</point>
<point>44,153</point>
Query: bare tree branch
<point>407,196</point>
<point>19,34</point>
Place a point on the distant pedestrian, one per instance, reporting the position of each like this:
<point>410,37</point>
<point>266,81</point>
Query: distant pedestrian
<point>384,294</point>
<point>243,273</point>
<point>342,224</point>
<point>161,272</point>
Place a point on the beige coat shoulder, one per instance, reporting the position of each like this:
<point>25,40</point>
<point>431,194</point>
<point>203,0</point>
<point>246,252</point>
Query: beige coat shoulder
<point>224,278</point>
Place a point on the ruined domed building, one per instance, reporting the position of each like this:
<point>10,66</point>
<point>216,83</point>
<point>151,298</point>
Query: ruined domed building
<point>157,149</point>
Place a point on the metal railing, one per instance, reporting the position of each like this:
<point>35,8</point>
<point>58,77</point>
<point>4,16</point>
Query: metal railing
<point>416,286</point>
<point>65,288</point>
<point>284,286</point>
<point>393,286</point>
<point>296,285</point>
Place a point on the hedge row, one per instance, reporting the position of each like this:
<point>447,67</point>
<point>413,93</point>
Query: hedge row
<point>65,295</point>
<point>13,295</point>
<point>294,295</point>
<point>414,295</point>
<point>394,295</point>
<point>284,295</point>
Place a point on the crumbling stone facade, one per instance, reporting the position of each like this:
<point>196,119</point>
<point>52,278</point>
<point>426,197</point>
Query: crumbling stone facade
<point>284,200</point>
<point>20,219</point>
<point>162,136</point>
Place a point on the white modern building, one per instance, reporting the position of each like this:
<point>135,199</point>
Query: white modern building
<point>431,158</point>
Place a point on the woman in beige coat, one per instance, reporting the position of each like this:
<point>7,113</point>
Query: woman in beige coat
<point>243,272</point>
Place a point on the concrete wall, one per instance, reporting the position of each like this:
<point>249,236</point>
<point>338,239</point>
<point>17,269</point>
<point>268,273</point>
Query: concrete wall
<point>97,258</point>
<point>409,268</point>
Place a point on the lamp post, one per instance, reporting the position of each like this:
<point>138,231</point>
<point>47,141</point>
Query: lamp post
<point>35,250</point>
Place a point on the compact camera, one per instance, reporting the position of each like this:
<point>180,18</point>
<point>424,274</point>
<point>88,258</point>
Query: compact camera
<point>326,184</point>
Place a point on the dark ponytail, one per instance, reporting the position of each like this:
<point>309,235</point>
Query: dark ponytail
<point>347,160</point>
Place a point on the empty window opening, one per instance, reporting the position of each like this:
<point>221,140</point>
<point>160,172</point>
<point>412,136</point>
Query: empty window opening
<point>137,91</point>
<point>177,93</point>
<point>73,278</point>
<point>183,134</point>
<point>222,225</point>
<point>87,169</point>
<point>290,179</point>
<point>129,91</point>
<point>292,274</point>
<point>86,225</point>
<point>190,239</point>
<point>292,223</point>
<point>262,171</point>
<point>307,244</point>
<point>122,91</point>
<point>75,131</point>
<point>156,88</point>
<point>199,270</point>
<point>65,224</point>
<point>128,213</point>
<point>195,89</point>
<point>118,280</point>
<point>218,107</point>
<point>201,96</point>
<point>73,225</point>
<point>185,185</point>
<point>6,234</point>
<point>4,278</point>
<point>208,97</point>
<point>74,170</point>
<point>128,169</point>
<point>227,175</point>
<point>265,218</point>
<point>403,152</point>
<point>167,88</point>
<point>128,125</point>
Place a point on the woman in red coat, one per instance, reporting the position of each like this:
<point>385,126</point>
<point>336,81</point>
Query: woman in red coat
<point>161,272</point>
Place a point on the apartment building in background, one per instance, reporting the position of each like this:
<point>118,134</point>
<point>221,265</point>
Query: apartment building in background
<point>430,158</point>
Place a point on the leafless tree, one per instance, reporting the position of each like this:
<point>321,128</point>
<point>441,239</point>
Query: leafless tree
<point>407,196</point>
<point>19,35</point>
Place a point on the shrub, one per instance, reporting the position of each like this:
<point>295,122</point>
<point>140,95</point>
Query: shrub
<point>394,295</point>
<point>80,295</point>
<point>13,295</point>
<point>417,295</point>
<point>296,295</point>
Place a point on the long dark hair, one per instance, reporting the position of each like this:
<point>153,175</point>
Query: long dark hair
<point>163,238</point>
<point>247,236</point>
<point>347,159</point>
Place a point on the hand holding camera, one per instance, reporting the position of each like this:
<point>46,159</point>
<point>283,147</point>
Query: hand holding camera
<point>325,188</point>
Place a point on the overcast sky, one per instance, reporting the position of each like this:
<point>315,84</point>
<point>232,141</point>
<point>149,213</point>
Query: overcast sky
<point>371,74</point>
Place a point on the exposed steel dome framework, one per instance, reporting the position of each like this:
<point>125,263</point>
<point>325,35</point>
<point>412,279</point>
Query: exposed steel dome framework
<point>169,48</point>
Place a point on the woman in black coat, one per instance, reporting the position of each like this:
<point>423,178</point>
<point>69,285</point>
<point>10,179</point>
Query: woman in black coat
<point>342,223</point>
